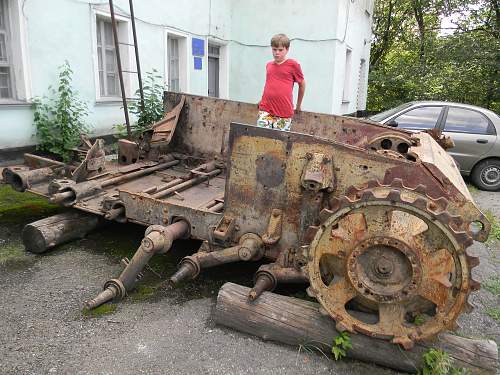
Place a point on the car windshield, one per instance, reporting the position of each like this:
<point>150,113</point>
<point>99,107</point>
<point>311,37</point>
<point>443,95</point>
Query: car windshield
<point>383,115</point>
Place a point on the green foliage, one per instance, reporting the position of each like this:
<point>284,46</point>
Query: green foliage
<point>494,312</point>
<point>341,344</point>
<point>59,118</point>
<point>412,59</point>
<point>493,285</point>
<point>107,308</point>
<point>419,320</point>
<point>153,105</point>
<point>16,208</point>
<point>495,227</point>
<point>438,362</point>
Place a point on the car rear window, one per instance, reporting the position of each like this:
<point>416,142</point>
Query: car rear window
<point>463,120</point>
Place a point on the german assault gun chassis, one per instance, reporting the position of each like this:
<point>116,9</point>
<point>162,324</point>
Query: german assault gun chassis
<point>367,217</point>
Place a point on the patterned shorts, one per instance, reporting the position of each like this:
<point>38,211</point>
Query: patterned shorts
<point>266,120</point>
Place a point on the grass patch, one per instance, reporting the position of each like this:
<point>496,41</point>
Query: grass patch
<point>12,251</point>
<point>107,308</point>
<point>438,362</point>
<point>495,226</point>
<point>13,256</point>
<point>472,189</point>
<point>492,285</point>
<point>494,313</point>
<point>18,207</point>
<point>143,292</point>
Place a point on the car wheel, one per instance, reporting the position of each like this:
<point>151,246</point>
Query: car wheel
<point>486,175</point>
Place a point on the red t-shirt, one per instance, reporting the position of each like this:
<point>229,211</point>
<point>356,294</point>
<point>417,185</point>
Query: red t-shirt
<point>277,98</point>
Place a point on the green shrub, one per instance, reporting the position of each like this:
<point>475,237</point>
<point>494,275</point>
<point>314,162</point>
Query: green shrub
<point>341,344</point>
<point>59,117</point>
<point>153,106</point>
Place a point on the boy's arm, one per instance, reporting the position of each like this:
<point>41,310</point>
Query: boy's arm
<point>300,96</point>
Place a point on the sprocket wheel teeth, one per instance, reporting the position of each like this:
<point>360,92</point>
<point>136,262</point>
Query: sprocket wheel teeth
<point>474,285</point>
<point>456,223</point>
<point>397,183</point>
<point>341,327</point>
<point>422,189</point>
<point>472,261</point>
<point>394,195</point>
<point>468,307</point>
<point>323,312</point>
<point>404,341</point>
<point>444,217</point>
<point>421,203</point>
<point>373,184</point>
<point>441,202</point>
<point>464,239</point>
<point>310,292</point>
<point>352,190</point>
<point>367,195</point>
<point>324,215</point>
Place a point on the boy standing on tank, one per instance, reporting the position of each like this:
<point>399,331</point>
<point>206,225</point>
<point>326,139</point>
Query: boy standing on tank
<point>276,105</point>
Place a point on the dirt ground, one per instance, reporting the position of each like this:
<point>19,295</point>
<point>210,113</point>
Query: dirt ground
<point>156,330</point>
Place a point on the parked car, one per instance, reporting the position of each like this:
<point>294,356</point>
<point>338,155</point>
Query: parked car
<point>474,130</point>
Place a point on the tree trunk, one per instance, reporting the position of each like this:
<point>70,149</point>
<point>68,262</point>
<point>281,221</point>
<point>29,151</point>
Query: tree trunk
<point>298,322</point>
<point>44,234</point>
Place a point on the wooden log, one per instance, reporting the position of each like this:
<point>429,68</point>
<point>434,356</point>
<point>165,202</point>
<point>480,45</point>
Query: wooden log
<point>44,234</point>
<point>297,322</point>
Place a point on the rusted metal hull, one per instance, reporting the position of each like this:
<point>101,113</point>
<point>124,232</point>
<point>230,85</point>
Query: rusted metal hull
<point>369,216</point>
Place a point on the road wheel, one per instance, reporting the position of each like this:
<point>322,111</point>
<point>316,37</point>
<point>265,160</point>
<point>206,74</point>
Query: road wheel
<point>486,175</point>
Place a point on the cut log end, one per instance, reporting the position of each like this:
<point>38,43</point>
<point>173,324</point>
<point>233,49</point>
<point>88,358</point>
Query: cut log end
<point>42,235</point>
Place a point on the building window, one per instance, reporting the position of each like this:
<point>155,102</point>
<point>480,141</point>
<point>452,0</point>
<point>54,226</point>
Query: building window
<point>109,84</point>
<point>177,61</point>
<point>173,64</point>
<point>6,76</point>
<point>213,70</point>
<point>346,93</point>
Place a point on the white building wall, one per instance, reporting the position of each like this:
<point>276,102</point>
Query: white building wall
<point>62,30</point>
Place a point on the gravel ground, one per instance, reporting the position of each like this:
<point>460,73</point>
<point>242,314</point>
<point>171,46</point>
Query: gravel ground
<point>43,330</point>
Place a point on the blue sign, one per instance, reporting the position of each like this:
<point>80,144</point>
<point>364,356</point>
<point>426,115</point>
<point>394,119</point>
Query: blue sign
<point>198,46</point>
<point>198,63</point>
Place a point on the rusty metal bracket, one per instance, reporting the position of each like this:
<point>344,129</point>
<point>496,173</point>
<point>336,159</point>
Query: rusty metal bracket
<point>225,228</point>
<point>128,151</point>
<point>94,162</point>
<point>273,232</point>
<point>318,173</point>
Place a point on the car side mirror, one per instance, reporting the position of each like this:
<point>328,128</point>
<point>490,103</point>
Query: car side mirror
<point>392,123</point>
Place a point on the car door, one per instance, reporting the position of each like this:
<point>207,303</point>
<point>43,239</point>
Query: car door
<point>417,119</point>
<point>473,135</point>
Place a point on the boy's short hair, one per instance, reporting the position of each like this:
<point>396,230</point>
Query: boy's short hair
<point>280,40</point>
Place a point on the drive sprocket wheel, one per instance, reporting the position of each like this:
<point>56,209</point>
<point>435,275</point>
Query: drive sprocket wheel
<point>394,252</point>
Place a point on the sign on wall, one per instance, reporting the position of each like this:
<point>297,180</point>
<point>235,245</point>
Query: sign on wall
<point>198,50</point>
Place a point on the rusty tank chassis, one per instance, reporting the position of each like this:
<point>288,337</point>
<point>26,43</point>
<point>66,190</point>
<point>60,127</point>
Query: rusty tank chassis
<point>373,218</point>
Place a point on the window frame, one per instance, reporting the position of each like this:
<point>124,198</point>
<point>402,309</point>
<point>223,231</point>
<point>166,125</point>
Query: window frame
<point>346,88</point>
<point>9,63</point>
<point>491,130</point>
<point>185,63</point>
<point>20,76</point>
<point>124,36</point>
